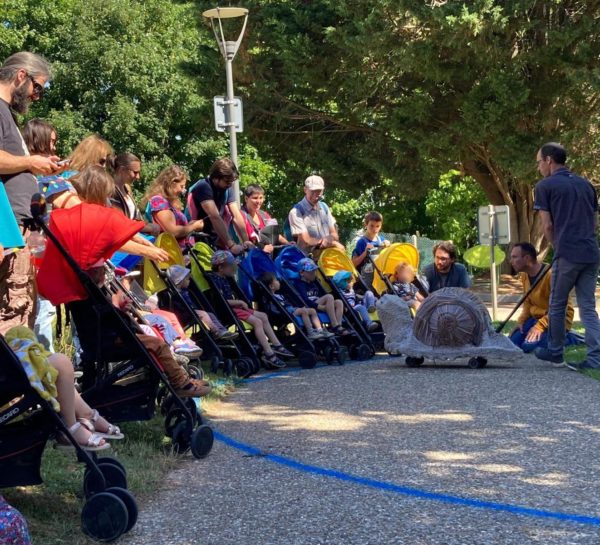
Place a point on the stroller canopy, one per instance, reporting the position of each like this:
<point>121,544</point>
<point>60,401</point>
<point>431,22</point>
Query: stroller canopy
<point>153,283</point>
<point>287,262</point>
<point>333,260</point>
<point>256,263</point>
<point>90,233</point>
<point>389,258</point>
<point>201,254</point>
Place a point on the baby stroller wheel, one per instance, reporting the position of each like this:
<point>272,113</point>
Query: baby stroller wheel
<point>104,517</point>
<point>111,461</point>
<point>190,403</point>
<point>342,355</point>
<point>215,363</point>
<point>228,367</point>
<point>328,354</point>
<point>202,441</point>
<point>181,438</point>
<point>255,362</point>
<point>477,363</point>
<point>361,352</point>
<point>244,368</point>
<point>413,362</point>
<point>307,359</point>
<point>113,476</point>
<point>161,394</point>
<point>172,420</point>
<point>127,498</point>
<point>195,372</point>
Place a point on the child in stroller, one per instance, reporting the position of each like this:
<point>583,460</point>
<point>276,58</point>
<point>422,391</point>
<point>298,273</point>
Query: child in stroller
<point>363,304</point>
<point>309,316</point>
<point>180,276</point>
<point>311,293</point>
<point>224,268</point>
<point>402,283</point>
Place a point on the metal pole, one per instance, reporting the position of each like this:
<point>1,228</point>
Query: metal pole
<point>233,151</point>
<point>491,217</point>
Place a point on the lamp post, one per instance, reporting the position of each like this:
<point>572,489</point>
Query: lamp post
<point>229,49</point>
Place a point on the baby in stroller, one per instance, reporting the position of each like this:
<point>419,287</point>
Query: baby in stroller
<point>402,283</point>
<point>180,276</point>
<point>309,316</point>
<point>311,292</point>
<point>224,268</point>
<point>363,304</point>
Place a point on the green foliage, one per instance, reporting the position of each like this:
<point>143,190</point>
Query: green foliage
<point>452,209</point>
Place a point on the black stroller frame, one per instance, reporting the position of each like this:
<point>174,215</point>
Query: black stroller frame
<point>110,509</point>
<point>183,423</point>
<point>225,356</point>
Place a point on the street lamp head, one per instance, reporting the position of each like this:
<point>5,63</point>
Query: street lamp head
<point>216,16</point>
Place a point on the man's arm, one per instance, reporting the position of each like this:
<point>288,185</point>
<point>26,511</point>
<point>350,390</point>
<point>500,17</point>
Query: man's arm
<point>36,164</point>
<point>238,222</point>
<point>547,225</point>
<point>211,210</point>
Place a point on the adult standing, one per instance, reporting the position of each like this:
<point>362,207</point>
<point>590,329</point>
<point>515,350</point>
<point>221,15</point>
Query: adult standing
<point>445,272</point>
<point>126,168</point>
<point>311,221</point>
<point>256,219</point>
<point>532,324</point>
<point>568,207</point>
<point>163,205</point>
<point>22,80</point>
<point>212,200</point>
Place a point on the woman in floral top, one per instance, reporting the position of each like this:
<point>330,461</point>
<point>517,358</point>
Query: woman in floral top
<point>163,205</point>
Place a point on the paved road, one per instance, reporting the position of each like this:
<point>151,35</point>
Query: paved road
<point>523,434</point>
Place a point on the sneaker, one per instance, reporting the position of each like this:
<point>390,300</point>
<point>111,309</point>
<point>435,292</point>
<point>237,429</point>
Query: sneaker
<point>226,335</point>
<point>546,354</point>
<point>315,334</point>
<point>187,349</point>
<point>373,326</point>
<point>325,334</point>
<point>582,366</point>
<point>281,350</point>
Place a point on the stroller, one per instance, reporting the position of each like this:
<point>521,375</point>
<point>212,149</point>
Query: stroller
<point>26,422</point>
<point>223,355</point>
<point>119,375</point>
<point>333,260</point>
<point>357,342</point>
<point>204,289</point>
<point>258,262</point>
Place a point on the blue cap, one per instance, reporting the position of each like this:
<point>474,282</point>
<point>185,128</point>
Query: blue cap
<point>307,264</point>
<point>342,278</point>
<point>222,257</point>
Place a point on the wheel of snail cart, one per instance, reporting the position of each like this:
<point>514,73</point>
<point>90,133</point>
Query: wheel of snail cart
<point>477,363</point>
<point>113,476</point>
<point>307,359</point>
<point>127,498</point>
<point>202,441</point>
<point>413,362</point>
<point>104,517</point>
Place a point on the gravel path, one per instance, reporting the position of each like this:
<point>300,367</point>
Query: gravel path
<point>524,434</point>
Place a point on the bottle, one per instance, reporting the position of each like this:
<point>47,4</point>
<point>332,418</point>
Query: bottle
<point>37,246</point>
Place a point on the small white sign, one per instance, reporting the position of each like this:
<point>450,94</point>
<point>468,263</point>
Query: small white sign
<point>501,225</point>
<point>222,121</point>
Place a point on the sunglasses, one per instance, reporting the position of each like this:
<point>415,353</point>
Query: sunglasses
<point>38,88</point>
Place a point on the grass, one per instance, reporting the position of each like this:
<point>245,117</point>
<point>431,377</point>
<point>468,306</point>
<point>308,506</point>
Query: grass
<point>53,508</point>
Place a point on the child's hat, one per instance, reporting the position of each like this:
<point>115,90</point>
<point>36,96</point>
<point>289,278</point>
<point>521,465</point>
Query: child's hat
<point>177,274</point>
<point>341,279</point>
<point>222,257</point>
<point>307,264</point>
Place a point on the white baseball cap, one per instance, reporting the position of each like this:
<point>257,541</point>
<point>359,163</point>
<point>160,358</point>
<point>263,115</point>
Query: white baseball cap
<point>314,183</point>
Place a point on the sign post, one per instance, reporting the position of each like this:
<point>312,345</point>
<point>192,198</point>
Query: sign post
<point>494,229</point>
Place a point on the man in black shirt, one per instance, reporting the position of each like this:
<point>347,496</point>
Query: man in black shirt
<point>212,200</point>
<point>22,80</point>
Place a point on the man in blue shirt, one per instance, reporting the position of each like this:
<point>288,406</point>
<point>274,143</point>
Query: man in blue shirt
<point>444,272</point>
<point>568,207</point>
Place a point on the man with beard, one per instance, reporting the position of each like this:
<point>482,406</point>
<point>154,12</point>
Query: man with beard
<point>444,272</point>
<point>22,79</point>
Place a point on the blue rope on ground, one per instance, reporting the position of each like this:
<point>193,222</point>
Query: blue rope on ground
<point>405,490</point>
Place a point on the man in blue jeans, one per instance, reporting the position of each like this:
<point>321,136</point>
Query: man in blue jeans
<point>568,206</point>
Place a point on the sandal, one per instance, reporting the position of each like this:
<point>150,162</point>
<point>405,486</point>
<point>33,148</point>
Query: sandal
<point>194,388</point>
<point>281,350</point>
<point>94,442</point>
<point>271,361</point>
<point>113,432</point>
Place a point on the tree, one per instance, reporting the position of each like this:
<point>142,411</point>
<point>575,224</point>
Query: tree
<point>404,90</point>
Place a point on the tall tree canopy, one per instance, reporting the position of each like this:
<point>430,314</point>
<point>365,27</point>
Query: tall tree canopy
<point>395,92</point>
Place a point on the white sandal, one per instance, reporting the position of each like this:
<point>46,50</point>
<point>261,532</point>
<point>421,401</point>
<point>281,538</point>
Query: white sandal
<point>113,431</point>
<point>94,442</point>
